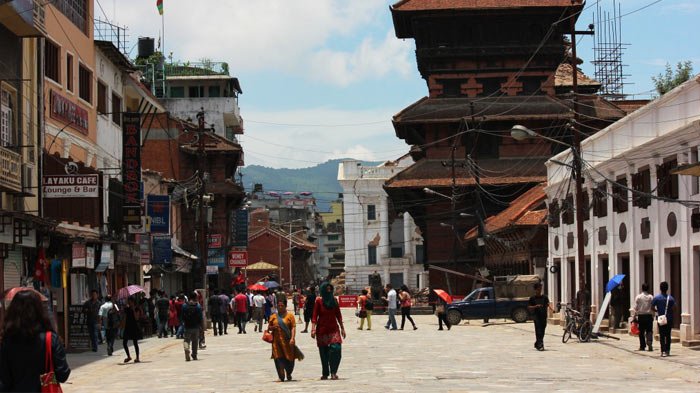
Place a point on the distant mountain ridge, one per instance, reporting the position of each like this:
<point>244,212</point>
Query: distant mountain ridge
<point>321,179</point>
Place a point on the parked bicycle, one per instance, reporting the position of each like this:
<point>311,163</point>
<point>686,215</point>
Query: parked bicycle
<point>576,324</point>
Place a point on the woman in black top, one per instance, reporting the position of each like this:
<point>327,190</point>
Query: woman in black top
<point>23,345</point>
<point>132,331</point>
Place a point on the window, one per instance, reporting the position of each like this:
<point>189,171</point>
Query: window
<point>177,92</point>
<point>69,72</point>
<point>75,10</point>
<point>332,249</point>
<point>451,87</point>
<point>333,237</point>
<point>396,252</point>
<point>85,83</point>
<point>371,212</point>
<point>600,200</point>
<point>554,214</point>
<point>214,91</point>
<point>619,189</point>
<point>8,115</point>
<point>567,214</point>
<point>586,201</point>
<point>666,183</point>
<point>372,255</point>
<point>641,184</point>
<point>420,254</point>
<point>694,180</point>
<point>52,55</point>
<point>196,91</point>
<point>101,98</point>
<point>116,109</point>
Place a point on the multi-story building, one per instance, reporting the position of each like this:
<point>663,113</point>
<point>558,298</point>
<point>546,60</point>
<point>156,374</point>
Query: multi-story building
<point>488,66</point>
<point>643,219</point>
<point>330,239</point>
<point>378,238</point>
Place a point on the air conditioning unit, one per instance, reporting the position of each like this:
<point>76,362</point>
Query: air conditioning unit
<point>28,179</point>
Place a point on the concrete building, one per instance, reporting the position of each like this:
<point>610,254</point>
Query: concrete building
<point>376,237</point>
<point>643,219</point>
<point>329,231</point>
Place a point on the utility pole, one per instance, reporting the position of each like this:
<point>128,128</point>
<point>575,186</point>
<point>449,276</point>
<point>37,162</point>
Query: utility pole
<point>203,246</point>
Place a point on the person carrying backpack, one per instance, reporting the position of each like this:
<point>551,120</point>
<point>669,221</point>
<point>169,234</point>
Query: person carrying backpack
<point>110,318</point>
<point>365,306</point>
<point>192,320</point>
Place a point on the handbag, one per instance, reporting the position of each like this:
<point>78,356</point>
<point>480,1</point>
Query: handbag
<point>439,309</point>
<point>48,381</point>
<point>363,314</point>
<point>662,320</point>
<point>634,328</point>
<point>267,337</point>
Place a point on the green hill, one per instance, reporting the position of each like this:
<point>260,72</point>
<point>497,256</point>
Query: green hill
<point>321,179</point>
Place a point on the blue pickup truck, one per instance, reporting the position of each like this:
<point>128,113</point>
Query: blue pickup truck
<point>483,304</point>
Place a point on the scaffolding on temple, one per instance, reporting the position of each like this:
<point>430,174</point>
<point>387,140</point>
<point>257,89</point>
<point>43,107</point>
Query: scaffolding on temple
<point>608,50</point>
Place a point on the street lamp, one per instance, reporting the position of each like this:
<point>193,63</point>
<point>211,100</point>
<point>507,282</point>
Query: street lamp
<point>520,133</point>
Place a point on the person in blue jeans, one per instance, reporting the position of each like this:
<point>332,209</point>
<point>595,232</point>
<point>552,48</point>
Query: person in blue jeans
<point>663,304</point>
<point>391,307</point>
<point>91,308</point>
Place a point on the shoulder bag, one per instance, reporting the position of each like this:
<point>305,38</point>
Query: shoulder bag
<point>662,320</point>
<point>49,384</point>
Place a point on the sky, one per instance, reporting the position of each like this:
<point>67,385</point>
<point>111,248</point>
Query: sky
<point>321,79</point>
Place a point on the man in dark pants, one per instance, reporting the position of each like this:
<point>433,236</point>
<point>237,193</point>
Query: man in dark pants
<point>214,305</point>
<point>644,315</point>
<point>538,306</point>
<point>663,304</point>
<point>193,323</point>
<point>91,308</point>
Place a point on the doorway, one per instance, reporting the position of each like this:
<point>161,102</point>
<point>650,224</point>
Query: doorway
<point>605,277</point>
<point>648,271</point>
<point>624,268</point>
<point>572,281</point>
<point>676,287</point>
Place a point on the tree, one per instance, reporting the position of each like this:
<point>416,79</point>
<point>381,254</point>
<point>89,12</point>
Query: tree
<point>668,80</point>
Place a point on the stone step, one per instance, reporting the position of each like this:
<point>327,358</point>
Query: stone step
<point>695,344</point>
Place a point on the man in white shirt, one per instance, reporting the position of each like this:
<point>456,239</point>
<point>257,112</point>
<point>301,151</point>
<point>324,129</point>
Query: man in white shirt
<point>391,307</point>
<point>645,318</point>
<point>258,310</point>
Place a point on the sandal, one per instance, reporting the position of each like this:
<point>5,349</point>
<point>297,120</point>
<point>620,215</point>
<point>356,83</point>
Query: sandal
<point>127,360</point>
<point>137,360</point>
<point>323,378</point>
<point>334,376</point>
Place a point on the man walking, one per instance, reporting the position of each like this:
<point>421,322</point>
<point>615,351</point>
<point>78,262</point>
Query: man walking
<point>391,307</point>
<point>163,310</point>
<point>224,311</point>
<point>91,308</point>
<point>241,311</point>
<point>309,307</point>
<point>109,318</point>
<point>193,322</point>
<point>214,305</point>
<point>258,311</point>
<point>645,317</point>
<point>663,304</point>
<point>538,306</point>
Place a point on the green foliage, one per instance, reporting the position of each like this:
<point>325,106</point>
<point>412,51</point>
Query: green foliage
<point>155,58</point>
<point>668,80</point>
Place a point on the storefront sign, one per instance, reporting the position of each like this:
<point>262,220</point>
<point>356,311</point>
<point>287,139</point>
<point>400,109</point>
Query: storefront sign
<point>215,241</point>
<point>131,167</point>
<point>237,258</point>
<point>347,301</point>
<point>216,257</point>
<point>212,270</point>
<point>69,112</point>
<point>239,229</point>
<point>90,257</point>
<point>162,250</point>
<point>79,255</point>
<point>78,334</point>
<point>158,209</point>
<point>70,186</point>
<point>106,259</point>
<point>144,242</point>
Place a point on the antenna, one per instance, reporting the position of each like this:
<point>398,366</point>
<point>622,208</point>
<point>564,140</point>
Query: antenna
<point>608,50</point>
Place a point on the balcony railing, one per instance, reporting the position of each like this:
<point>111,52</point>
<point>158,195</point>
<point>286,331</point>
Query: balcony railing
<point>25,18</point>
<point>10,170</point>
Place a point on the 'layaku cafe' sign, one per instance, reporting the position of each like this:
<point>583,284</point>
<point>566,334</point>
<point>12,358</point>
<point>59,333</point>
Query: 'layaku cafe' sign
<point>70,186</point>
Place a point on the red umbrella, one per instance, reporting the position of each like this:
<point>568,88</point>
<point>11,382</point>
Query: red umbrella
<point>443,295</point>
<point>10,294</point>
<point>257,287</point>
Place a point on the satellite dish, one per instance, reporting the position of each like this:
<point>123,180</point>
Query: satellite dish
<point>71,168</point>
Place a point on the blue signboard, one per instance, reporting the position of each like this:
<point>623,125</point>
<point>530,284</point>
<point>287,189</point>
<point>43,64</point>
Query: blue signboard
<point>216,257</point>
<point>158,209</point>
<point>162,251</point>
<point>239,229</point>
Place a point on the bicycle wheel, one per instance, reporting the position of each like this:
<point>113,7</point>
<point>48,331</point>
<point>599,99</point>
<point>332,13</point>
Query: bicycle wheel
<point>567,332</point>
<point>584,334</point>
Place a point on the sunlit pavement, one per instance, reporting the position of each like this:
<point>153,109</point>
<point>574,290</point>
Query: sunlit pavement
<point>468,358</point>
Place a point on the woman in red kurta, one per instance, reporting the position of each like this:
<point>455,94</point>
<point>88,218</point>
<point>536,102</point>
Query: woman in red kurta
<point>327,327</point>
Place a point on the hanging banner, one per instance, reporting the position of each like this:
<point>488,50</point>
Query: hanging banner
<point>162,250</point>
<point>131,167</point>
<point>158,209</point>
<point>239,229</point>
<point>216,257</point>
<point>79,255</point>
<point>90,257</point>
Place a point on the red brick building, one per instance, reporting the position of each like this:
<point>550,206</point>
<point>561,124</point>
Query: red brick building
<point>274,246</point>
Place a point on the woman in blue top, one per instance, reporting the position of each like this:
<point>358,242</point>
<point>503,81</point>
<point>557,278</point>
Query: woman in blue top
<point>663,303</point>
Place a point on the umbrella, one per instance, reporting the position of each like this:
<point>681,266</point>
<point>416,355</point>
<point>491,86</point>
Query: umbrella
<point>270,284</point>
<point>257,287</point>
<point>443,295</point>
<point>615,281</point>
<point>12,292</point>
<point>288,193</point>
<point>129,291</point>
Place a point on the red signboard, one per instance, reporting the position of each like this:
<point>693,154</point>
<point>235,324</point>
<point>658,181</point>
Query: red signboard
<point>237,258</point>
<point>131,167</point>
<point>215,240</point>
<point>69,112</point>
<point>347,301</point>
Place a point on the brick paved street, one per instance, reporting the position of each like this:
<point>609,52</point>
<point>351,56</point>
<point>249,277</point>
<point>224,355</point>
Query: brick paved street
<point>469,358</point>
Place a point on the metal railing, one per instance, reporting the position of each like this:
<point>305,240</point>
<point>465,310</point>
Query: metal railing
<point>10,170</point>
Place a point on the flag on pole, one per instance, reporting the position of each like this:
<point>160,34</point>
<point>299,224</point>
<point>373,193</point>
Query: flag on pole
<point>159,4</point>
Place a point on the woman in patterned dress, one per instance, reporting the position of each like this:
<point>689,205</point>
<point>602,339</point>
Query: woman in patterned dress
<point>327,327</point>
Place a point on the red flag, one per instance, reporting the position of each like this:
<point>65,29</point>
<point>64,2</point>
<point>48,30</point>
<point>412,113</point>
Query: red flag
<point>40,267</point>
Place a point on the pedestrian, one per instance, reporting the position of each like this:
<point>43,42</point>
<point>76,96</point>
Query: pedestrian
<point>327,327</point>
<point>200,300</point>
<point>644,315</point>
<point>391,307</point>
<point>363,302</point>
<point>432,298</point>
<point>163,313</point>
<point>225,308</point>
<point>268,307</point>
<point>616,307</point>
<point>241,311</point>
<point>309,303</point>
<point>178,309</point>
<point>538,306</point>
<point>250,296</point>
<point>193,321</point>
<point>282,325</point>
<point>280,296</point>
<point>173,320</point>
<point>441,313</point>
<point>26,333</point>
<point>258,310</point>
<point>295,301</point>
<point>132,331</point>
<point>110,318</point>
<point>405,301</point>
<point>91,308</point>
<point>663,304</point>
<point>214,305</point>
